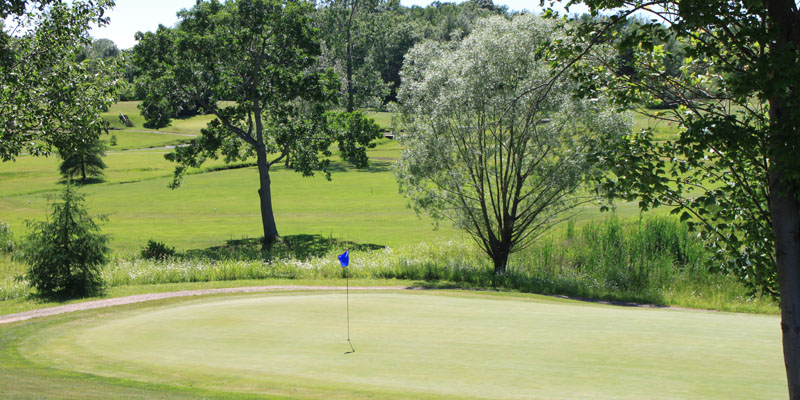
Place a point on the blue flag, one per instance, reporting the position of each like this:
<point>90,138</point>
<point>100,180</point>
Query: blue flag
<point>344,258</point>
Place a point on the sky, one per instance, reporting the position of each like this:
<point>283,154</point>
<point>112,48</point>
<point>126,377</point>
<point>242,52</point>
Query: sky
<point>130,16</point>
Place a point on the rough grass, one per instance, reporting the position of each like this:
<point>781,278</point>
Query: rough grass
<point>654,261</point>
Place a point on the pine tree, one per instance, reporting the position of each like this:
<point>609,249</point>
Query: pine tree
<point>65,253</point>
<point>84,158</point>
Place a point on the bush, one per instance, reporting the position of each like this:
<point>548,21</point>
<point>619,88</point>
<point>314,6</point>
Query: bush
<point>66,252</point>
<point>157,250</point>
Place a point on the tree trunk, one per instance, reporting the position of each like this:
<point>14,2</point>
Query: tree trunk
<point>349,61</point>
<point>500,259</point>
<point>784,28</point>
<point>785,211</point>
<point>265,194</point>
<point>786,226</point>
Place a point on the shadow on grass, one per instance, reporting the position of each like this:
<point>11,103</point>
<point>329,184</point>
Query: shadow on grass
<point>83,182</point>
<point>300,246</point>
<point>339,166</point>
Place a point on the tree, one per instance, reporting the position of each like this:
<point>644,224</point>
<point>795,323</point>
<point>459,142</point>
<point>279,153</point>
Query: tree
<point>83,157</point>
<point>99,48</point>
<point>735,169</point>
<point>258,56</point>
<point>65,253</point>
<point>348,30</point>
<point>160,100</point>
<point>46,96</point>
<point>489,145</point>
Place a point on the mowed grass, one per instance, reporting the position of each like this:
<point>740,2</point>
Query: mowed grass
<point>211,208</point>
<point>131,140</point>
<point>662,130</point>
<point>408,345</point>
<point>215,206</point>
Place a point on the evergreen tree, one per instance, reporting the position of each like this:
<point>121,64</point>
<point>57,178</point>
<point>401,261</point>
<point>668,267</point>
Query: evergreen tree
<point>83,157</point>
<point>65,253</point>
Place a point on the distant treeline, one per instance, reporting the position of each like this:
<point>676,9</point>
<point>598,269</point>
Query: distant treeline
<point>365,42</point>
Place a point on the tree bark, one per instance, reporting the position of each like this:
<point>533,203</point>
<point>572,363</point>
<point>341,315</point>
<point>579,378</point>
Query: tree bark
<point>349,61</point>
<point>500,259</point>
<point>786,226</point>
<point>265,194</point>
<point>784,27</point>
<point>785,210</point>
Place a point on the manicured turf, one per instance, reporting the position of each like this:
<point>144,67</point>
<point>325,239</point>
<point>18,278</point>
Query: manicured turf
<point>131,139</point>
<point>421,345</point>
<point>211,208</point>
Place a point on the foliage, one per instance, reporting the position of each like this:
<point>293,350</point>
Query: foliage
<point>490,145</point>
<point>381,33</point>
<point>99,48</point>
<point>46,96</point>
<point>161,100</point>
<point>83,157</point>
<point>349,30</point>
<point>66,252</point>
<point>257,54</point>
<point>716,175</point>
<point>155,250</point>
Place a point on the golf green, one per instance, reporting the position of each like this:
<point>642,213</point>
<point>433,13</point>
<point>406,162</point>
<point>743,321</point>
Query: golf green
<point>425,344</point>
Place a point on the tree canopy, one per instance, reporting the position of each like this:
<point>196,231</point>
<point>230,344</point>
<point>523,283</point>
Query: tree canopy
<point>46,96</point>
<point>250,64</point>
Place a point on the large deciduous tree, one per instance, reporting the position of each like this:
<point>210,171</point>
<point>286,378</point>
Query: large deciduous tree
<point>493,141</point>
<point>735,169</point>
<point>258,57</point>
<point>47,97</point>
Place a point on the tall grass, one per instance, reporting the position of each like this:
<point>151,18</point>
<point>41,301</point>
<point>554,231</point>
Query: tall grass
<point>12,283</point>
<point>654,261</point>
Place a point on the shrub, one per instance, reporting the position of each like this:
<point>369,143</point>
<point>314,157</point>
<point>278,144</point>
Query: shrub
<point>66,252</point>
<point>157,250</point>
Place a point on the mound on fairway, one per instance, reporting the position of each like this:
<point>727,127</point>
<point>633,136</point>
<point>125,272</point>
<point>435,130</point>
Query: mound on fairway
<point>425,345</point>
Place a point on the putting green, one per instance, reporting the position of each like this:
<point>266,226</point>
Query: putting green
<point>425,345</point>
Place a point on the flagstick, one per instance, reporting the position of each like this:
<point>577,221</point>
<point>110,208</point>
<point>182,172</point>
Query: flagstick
<point>347,280</point>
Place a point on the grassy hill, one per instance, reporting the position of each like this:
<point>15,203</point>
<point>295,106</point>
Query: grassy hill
<point>216,204</point>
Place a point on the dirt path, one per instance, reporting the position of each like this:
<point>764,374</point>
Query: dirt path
<point>44,312</point>
<point>161,133</point>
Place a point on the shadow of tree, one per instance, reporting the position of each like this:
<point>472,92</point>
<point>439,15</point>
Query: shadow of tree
<point>83,182</point>
<point>301,246</point>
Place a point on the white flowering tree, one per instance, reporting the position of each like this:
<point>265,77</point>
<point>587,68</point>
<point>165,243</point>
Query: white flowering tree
<point>494,140</point>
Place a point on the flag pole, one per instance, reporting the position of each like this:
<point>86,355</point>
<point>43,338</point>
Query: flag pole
<point>345,260</point>
<point>347,279</point>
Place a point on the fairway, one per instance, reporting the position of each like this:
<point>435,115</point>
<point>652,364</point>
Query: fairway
<point>427,344</point>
